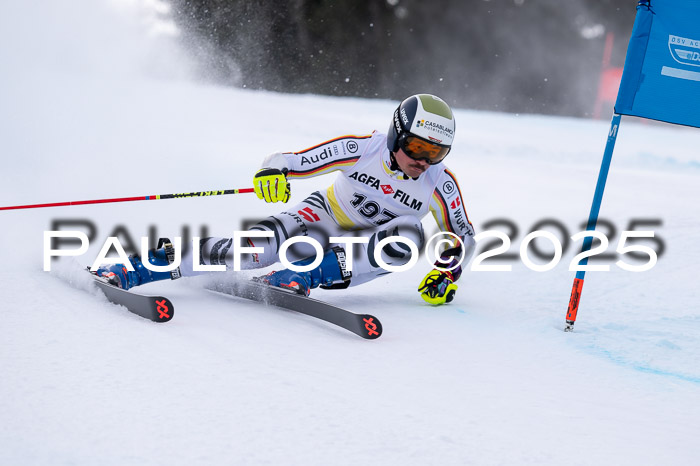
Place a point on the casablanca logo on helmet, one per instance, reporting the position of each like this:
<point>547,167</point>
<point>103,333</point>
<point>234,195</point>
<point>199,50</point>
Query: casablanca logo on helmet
<point>435,127</point>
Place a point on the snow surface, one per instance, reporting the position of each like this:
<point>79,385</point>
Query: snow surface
<point>489,379</point>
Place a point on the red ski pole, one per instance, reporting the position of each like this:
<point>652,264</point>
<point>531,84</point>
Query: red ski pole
<point>138,198</point>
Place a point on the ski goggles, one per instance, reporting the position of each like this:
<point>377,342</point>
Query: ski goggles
<point>420,149</point>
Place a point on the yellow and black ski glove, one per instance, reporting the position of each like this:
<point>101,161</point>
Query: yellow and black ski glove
<point>438,287</point>
<point>271,185</point>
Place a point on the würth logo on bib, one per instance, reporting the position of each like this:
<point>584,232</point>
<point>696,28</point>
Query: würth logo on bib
<point>387,189</point>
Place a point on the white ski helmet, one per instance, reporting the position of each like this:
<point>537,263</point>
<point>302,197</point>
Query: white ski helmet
<point>424,127</point>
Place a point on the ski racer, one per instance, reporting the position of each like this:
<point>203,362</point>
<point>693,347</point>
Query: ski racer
<point>386,184</point>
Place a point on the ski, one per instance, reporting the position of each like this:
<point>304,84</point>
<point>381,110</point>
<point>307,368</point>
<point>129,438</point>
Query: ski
<point>364,325</point>
<point>155,308</point>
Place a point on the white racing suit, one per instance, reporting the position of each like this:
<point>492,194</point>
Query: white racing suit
<point>369,198</point>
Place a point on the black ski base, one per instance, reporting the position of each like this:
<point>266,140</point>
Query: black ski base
<point>155,308</point>
<point>364,325</point>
